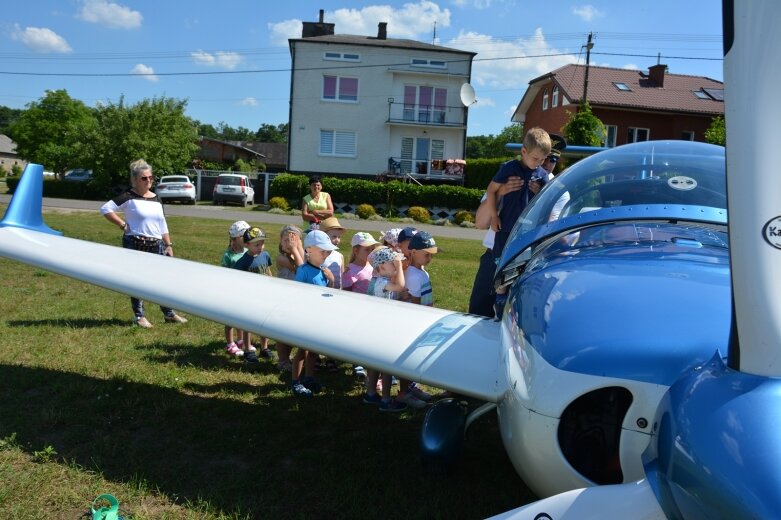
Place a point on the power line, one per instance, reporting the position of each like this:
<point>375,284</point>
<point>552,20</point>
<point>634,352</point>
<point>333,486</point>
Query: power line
<point>331,67</point>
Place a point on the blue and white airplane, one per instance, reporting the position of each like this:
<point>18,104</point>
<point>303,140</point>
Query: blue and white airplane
<point>634,374</point>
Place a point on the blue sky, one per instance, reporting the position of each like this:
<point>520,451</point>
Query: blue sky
<point>242,44</point>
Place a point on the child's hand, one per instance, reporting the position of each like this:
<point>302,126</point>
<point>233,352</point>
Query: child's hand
<point>534,186</point>
<point>328,275</point>
<point>496,223</point>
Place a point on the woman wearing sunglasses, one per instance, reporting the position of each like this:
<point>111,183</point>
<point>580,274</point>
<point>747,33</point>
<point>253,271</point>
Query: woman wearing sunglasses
<point>143,227</point>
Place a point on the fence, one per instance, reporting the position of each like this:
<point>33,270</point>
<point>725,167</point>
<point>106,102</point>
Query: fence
<point>206,179</point>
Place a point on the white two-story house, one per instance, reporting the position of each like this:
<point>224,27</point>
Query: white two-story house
<point>366,105</point>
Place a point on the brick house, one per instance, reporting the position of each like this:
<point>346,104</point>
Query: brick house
<point>226,151</point>
<point>633,105</point>
<point>8,156</point>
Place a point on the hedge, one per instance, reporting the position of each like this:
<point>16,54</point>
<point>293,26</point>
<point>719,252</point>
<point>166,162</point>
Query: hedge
<point>68,190</point>
<point>479,172</point>
<point>393,193</point>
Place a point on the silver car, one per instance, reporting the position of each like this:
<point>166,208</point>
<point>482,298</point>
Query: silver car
<point>176,188</point>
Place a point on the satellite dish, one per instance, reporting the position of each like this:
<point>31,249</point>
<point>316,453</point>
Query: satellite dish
<point>468,95</point>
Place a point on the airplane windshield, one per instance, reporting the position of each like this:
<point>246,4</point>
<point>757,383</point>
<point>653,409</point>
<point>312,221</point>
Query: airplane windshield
<point>652,172</point>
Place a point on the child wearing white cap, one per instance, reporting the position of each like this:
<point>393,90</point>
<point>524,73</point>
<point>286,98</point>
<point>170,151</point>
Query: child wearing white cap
<point>387,283</point>
<point>231,255</point>
<point>317,246</point>
<point>359,271</point>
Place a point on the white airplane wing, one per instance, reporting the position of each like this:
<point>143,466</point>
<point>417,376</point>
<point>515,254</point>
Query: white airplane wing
<point>445,349</point>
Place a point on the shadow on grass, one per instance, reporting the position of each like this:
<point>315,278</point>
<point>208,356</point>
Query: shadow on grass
<point>79,323</point>
<point>278,457</point>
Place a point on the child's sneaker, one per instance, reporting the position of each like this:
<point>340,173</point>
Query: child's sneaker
<point>392,406</point>
<point>359,372</point>
<point>411,401</point>
<point>233,350</point>
<point>240,343</point>
<point>251,358</point>
<point>285,366</point>
<point>252,348</point>
<point>300,390</point>
<point>266,354</point>
<point>418,392</point>
<point>374,399</point>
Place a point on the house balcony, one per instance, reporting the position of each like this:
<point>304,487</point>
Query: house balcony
<point>404,114</point>
<point>450,170</point>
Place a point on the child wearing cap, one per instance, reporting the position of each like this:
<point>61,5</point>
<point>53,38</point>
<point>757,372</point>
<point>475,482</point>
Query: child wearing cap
<point>359,271</point>
<point>420,248</point>
<point>390,238</point>
<point>335,264</point>
<point>254,260</point>
<point>231,255</point>
<point>387,283</point>
<point>317,246</point>
<point>290,256</point>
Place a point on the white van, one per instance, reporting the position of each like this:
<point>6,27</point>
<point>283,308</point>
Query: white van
<point>233,187</point>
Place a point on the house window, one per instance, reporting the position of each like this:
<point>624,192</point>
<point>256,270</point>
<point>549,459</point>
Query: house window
<point>341,56</point>
<point>687,135</point>
<point>545,99</point>
<point>636,135</point>
<point>701,95</point>
<point>610,135</point>
<point>337,88</point>
<point>421,62</point>
<point>338,143</point>
<point>622,86</point>
<point>555,100</point>
<point>418,152</point>
<point>425,104</point>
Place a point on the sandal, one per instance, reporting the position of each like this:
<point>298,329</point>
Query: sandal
<point>233,350</point>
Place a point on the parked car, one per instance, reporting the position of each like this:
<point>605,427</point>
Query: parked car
<point>176,188</point>
<point>77,175</point>
<point>233,187</point>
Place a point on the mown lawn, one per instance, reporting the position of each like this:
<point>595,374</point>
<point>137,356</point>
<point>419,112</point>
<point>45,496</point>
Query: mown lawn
<point>164,421</point>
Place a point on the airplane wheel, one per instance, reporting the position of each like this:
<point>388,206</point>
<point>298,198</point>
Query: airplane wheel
<point>442,435</point>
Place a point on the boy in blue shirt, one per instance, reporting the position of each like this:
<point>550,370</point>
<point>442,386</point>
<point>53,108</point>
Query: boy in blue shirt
<point>317,246</point>
<point>255,260</point>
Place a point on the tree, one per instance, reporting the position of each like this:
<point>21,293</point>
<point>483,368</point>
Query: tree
<point>7,117</point>
<point>584,128</point>
<point>487,146</point>
<point>53,130</point>
<point>156,130</point>
<point>717,131</point>
<point>272,134</point>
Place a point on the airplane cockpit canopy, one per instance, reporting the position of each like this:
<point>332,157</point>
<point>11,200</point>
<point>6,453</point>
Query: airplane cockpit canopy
<point>659,180</point>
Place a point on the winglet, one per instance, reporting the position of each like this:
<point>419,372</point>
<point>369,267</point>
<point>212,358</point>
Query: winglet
<point>25,209</point>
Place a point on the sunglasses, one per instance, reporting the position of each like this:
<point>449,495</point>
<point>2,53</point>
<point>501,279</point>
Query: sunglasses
<point>150,179</point>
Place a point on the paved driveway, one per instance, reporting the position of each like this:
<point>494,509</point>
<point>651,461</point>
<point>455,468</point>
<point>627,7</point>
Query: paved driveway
<point>252,216</point>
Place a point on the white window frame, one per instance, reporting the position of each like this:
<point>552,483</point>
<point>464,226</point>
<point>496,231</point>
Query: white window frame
<point>341,56</point>
<point>555,98</point>
<point>611,133</point>
<point>545,99</point>
<point>330,137</point>
<point>337,99</point>
<point>414,161</point>
<point>634,130</point>
<point>427,63</point>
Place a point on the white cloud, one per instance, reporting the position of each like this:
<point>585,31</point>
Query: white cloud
<point>411,21</point>
<point>110,14</point>
<point>146,72</point>
<point>587,12</point>
<point>631,66</point>
<point>225,60</point>
<point>510,64</point>
<point>249,102</point>
<point>510,111</point>
<point>41,39</point>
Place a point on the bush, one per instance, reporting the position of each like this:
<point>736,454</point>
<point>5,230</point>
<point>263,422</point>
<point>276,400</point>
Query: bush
<point>278,203</point>
<point>463,216</point>
<point>419,214</point>
<point>365,211</point>
<point>479,172</point>
<point>391,194</point>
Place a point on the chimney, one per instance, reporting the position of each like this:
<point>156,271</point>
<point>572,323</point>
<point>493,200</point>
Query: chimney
<point>319,28</point>
<point>382,31</point>
<point>656,73</point>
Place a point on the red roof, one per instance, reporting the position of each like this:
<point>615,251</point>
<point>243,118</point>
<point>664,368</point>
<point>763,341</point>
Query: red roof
<point>677,93</point>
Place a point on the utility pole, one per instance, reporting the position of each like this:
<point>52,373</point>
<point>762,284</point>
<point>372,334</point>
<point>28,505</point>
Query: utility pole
<point>434,38</point>
<point>589,46</point>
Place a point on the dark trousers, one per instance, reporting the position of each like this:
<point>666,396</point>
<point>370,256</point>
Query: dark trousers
<point>481,302</point>
<point>128,242</point>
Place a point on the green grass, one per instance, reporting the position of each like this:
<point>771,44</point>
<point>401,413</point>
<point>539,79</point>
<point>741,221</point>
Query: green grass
<point>164,421</point>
